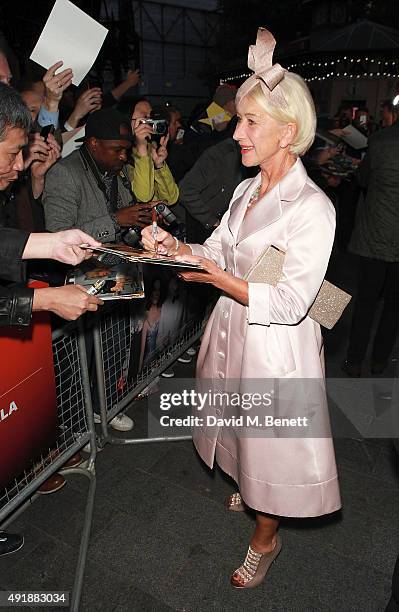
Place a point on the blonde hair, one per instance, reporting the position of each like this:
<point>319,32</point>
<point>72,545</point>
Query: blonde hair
<point>300,110</point>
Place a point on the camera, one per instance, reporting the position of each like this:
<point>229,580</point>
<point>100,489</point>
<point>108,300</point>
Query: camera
<point>166,214</point>
<point>159,126</point>
<point>132,237</point>
<point>46,130</point>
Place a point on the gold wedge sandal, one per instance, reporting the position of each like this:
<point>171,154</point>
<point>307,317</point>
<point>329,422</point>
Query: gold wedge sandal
<point>234,503</point>
<point>255,567</point>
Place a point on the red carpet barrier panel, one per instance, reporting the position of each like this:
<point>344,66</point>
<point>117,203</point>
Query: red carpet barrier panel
<point>28,416</point>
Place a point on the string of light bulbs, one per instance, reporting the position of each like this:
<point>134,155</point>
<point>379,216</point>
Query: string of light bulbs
<point>341,69</point>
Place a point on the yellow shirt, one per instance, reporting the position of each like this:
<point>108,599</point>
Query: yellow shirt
<point>149,183</point>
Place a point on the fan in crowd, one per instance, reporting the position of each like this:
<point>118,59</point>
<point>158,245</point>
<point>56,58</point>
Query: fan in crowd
<point>149,155</point>
<point>17,302</point>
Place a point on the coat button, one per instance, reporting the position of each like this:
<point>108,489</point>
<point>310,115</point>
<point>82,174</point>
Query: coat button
<point>223,334</point>
<point>225,314</point>
<point>220,374</point>
<point>221,354</point>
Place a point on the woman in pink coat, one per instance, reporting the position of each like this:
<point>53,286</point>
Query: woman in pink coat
<point>258,331</point>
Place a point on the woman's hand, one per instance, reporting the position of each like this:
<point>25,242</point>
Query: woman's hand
<point>159,154</point>
<point>210,273</point>
<point>88,102</point>
<point>40,167</point>
<point>142,132</point>
<point>131,80</point>
<point>166,242</point>
<point>132,77</point>
<point>55,85</point>
<point>36,150</point>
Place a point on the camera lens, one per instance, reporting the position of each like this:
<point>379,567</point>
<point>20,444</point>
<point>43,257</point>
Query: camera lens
<point>166,214</point>
<point>132,236</point>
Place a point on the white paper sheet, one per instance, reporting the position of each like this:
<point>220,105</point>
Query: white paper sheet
<point>69,140</point>
<point>354,138</point>
<point>72,36</point>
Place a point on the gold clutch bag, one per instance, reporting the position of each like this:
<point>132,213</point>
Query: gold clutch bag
<point>330,302</point>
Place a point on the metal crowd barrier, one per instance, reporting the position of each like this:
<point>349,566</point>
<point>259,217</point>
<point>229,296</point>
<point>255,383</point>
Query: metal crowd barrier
<point>112,338</point>
<point>96,347</point>
<point>75,430</point>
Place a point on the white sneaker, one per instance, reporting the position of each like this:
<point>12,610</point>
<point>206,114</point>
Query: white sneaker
<point>97,418</point>
<point>191,351</point>
<point>122,423</point>
<point>184,358</point>
<point>168,373</point>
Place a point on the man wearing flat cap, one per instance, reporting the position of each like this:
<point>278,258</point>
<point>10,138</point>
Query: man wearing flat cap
<point>90,189</point>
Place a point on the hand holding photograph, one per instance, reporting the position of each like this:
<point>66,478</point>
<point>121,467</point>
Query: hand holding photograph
<point>139,256</point>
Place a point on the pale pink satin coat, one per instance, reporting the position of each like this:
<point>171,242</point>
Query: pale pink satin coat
<point>272,337</point>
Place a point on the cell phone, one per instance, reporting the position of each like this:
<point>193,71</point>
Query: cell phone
<point>46,130</point>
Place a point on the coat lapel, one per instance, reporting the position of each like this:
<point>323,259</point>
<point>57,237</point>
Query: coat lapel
<point>265,211</point>
<point>270,208</point>
<point>239,204</point>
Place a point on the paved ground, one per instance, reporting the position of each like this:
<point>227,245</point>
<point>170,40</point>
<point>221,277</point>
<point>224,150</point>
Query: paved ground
<point>161,539</point>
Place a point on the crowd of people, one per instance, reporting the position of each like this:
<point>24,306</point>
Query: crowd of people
<point>286,176</point>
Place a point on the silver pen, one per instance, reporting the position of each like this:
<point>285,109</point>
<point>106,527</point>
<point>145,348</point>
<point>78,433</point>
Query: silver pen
<point>155,229</point>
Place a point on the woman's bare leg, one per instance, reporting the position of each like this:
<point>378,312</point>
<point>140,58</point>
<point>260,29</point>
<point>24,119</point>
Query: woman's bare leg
<point>263,550</point>
<point>265,534</point>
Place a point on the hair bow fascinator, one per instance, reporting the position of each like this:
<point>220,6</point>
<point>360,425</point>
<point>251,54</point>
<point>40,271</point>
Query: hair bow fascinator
<point>260,60</point>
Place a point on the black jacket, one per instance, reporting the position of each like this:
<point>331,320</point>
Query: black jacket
<point>376,232</point>
<point>206,190</point>
<point>182,157</point>
<point>15,300</point>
